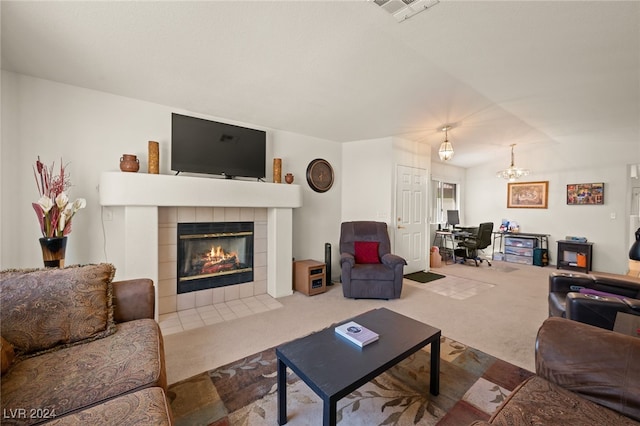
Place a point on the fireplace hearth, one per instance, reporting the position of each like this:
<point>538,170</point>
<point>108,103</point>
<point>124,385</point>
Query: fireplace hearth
<point>214,254</point>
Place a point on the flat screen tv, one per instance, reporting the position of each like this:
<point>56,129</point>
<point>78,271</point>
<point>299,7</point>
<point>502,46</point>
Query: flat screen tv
<point>205,146</point>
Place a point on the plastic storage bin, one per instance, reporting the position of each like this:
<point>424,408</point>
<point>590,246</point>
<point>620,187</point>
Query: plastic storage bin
<point>520,242</point>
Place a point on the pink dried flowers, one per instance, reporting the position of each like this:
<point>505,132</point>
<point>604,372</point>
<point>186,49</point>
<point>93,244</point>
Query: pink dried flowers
<point>53,209</point>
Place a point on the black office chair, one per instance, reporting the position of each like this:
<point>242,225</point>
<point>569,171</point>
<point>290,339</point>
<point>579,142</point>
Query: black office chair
<point>468,248</point>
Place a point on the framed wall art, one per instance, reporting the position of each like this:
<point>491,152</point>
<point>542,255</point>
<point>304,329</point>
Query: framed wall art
<point>527,195</point>
<point>585,193</point>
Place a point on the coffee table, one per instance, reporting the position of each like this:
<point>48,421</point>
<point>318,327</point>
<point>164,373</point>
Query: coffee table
<point>333,367</point>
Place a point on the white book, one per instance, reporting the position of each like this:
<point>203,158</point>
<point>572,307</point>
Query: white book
<point>356,333</point>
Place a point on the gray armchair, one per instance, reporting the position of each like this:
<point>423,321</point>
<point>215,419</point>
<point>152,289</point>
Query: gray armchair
<point>369,270</point>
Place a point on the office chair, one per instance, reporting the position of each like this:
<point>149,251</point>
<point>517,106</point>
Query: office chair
<point>468,248</point>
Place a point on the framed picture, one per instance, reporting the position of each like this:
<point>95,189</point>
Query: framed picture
<point>528,195</point>
<point>585,193</point>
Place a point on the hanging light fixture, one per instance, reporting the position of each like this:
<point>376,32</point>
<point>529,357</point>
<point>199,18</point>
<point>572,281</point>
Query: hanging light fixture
<point>446,149</point>
<point>513,172</point>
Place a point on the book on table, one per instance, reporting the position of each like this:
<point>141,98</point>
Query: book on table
<point>357,334</point>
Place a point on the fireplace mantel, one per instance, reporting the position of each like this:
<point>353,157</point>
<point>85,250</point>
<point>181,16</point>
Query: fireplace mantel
<point>141,189</point>
<point>135,231</point>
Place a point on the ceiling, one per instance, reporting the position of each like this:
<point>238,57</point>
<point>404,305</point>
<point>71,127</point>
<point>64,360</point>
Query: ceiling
<point>500,72</point>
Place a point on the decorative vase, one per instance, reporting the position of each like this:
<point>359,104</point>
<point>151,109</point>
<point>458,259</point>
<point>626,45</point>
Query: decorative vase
<point>53,249</point>
<point>277,170</point>
<point>288,178</point>
<point>129,163</point>
<point>154,158</point>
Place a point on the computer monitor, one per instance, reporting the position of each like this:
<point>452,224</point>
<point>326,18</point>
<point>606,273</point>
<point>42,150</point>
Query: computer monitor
<point>453,218</point>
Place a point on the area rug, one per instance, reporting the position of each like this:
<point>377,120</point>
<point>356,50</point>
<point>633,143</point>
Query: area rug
<point>472,385</point>
<point>423,277</point>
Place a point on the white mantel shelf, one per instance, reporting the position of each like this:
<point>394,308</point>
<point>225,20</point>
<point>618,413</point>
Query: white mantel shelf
<point>142,189</point>
<point>135,242</point>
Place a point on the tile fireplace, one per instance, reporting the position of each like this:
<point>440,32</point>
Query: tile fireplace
<point>139,240</point>
<point>213,254</point>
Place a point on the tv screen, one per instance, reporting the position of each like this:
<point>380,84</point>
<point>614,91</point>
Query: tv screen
<point>205,146</point>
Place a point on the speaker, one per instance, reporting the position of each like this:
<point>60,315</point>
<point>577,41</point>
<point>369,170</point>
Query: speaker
<point>327,261</point>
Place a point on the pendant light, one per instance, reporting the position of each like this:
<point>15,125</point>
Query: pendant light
<point>512,173</point>
<point>446,149</point>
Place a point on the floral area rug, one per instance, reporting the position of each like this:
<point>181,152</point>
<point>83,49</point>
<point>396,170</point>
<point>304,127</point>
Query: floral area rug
<point>472,385</point>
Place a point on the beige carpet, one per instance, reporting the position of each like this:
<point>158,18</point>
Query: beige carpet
<point>501,320</point>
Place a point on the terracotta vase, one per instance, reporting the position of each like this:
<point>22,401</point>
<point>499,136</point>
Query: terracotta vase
<point>129,163</point>
<point>288,178</point>
<point>53,251</point>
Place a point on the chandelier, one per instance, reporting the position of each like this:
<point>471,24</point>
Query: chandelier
<point>446,149</point>
<point>513,172</point>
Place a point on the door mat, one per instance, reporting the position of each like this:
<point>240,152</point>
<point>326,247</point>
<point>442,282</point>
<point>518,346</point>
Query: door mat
<point>423,277</point>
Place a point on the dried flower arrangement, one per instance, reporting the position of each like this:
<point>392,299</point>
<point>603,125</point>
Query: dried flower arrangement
<point>53,209</point>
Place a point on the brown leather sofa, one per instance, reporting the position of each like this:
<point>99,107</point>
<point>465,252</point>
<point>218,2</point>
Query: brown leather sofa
<point>594,298</point>
<point>78,348</point>
<point>585,375</point>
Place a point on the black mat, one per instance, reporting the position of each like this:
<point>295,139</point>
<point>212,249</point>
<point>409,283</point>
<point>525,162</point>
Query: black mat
<point>423,277</point>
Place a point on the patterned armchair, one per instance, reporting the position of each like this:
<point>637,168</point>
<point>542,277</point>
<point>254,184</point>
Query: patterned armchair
<point>368,269</point>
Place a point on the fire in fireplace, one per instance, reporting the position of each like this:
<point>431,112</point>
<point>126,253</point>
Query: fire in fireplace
<point>214,254</point>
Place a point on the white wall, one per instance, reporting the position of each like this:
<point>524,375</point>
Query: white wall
<point>318,220</point>
<point>90,130</point>
<point>560,164</point>
<point>368,179</point>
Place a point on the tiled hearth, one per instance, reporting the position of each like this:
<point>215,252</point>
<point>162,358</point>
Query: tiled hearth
<point>201,316</point>
<point>168,218</point>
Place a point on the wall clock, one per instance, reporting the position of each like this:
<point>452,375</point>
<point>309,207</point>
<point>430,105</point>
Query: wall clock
<point>320,175</point>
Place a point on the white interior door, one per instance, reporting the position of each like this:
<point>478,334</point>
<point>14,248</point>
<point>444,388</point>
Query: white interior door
<point>410,233</point>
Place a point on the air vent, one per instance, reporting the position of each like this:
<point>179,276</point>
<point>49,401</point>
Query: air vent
<point>405,9</point>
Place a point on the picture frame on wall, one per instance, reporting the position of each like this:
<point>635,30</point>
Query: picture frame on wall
<point>585,194</point>
<point>528,195</point>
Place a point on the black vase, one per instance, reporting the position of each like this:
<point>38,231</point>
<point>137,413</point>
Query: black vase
<point>53,249</point>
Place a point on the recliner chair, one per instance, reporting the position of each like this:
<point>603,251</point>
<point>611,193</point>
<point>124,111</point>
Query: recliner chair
<point>593,299</point>
<point>369,270</point>
<point>468,248</point>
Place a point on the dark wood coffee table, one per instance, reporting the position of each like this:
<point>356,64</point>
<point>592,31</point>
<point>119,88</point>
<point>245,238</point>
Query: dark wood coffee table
<point>333,367</point>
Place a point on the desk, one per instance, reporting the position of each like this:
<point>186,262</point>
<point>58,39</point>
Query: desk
<point>542,241</point>
<point>468,229</point>
<point>442,239</point>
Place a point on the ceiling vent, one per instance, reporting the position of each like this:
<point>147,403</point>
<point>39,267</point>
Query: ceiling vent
<point>405,9</point>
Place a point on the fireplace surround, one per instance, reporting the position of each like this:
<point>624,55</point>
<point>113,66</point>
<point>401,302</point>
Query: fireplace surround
<point>133,202</point>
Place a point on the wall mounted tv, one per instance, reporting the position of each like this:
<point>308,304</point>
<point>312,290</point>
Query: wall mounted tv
<point>205,146</point>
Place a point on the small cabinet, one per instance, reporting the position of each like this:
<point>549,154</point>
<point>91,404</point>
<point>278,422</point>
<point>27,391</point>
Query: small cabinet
<point>309,277</point>
<point>519,249</point>
<point>574,255</point>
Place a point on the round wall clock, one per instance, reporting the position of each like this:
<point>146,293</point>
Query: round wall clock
<point>320,175</point>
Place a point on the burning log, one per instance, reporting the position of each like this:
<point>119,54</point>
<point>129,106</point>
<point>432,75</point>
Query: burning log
<point>217,260</point>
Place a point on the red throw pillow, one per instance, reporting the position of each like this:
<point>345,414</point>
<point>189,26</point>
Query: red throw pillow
<point>366,251</point>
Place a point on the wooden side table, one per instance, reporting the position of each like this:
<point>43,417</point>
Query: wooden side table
<point>309,277</point>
